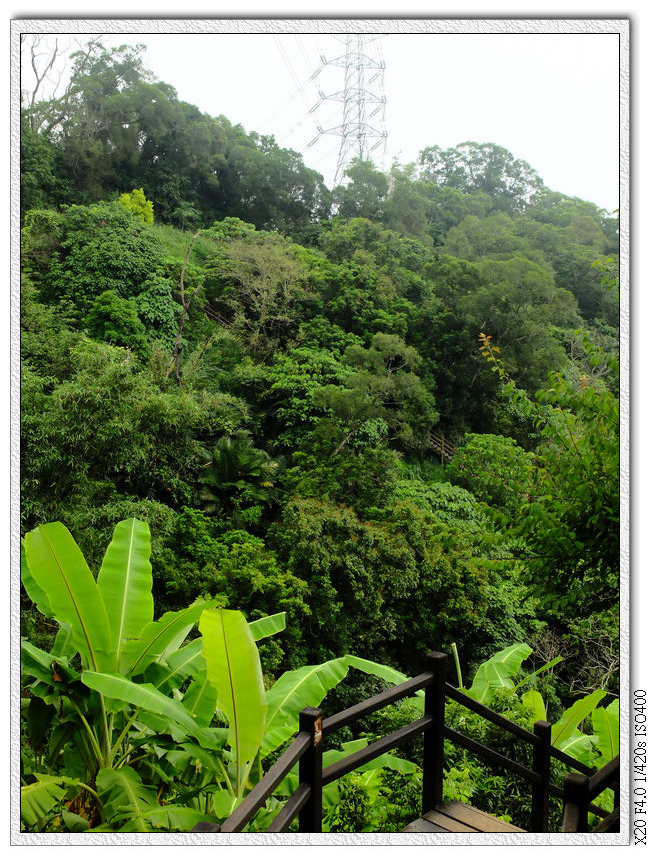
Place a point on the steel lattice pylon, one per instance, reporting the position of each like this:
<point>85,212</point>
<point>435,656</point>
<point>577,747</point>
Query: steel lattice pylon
<point>363,100</point>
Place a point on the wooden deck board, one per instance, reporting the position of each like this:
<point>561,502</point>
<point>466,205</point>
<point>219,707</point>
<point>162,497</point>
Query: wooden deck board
<point>423,825</point>
<point>458,817</point>
<point>479,819</point>
<point>434,821</point>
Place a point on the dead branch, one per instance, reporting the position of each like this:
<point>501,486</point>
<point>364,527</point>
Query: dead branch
<point>185,303</point>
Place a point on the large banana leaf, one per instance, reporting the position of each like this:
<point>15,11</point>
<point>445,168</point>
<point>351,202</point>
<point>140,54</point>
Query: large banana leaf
<point>161,677</point>
<point>38,800</point>
<point>125,798</point>
<point>62,646</point>
<point>189,660</point>
<point>200,699</point>
<point>145,697</point>
<point>178,640</point>
<point>53,678</point>
<point>486,681</point>
<point>606,728</point>
<point>74,822</point>
<point>36,594</point>
<point>512,657</point>
<point>38,721</point>
<point>234,669</point>
<point>388,674</point>
<point>172,818</point>
<point>580,746</point>
<point>60,570</point>
<point>125,581</point>
<point>291,693</point>
<point>207,759</point>
<point>497,671</point>
<point>533,700</point>
<point>568,724</point>
<point>184,662</point>
<point>46,667</point>
<point>374,669</point>
<point>268,626</point>
<point>533,676</point>
<point>154,640</point>
<point>152,726</point>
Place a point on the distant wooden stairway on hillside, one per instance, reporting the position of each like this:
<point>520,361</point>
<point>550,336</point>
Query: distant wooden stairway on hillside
<point>580,787</point>
<point>440,444</point>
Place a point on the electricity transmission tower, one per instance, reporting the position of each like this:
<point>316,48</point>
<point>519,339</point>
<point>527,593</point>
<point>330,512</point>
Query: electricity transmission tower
<point>363,101</point>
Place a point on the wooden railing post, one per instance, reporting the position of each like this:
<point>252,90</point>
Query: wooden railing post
<point>576,803</point>
<point>434,737</point>
<point>310,771</point>
<point>541,765</point>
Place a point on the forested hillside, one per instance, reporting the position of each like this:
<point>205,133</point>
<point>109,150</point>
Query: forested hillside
<point>253,365</point>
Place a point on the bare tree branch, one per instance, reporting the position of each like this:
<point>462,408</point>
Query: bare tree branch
<point>185,303</point>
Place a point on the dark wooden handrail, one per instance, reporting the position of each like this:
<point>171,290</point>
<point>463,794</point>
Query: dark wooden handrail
<point>490,714</point>
<point>392,695</point>
<point>611,823</point>
<point>492,756</point>
<point>570,761</point>
<point>604,777</point>
<point>579,793</point>
<point>540,797</point>
<point>261,792</point>
<point>292,808</point>
<point>375,749</point>
<point>506,724</point>
<point>307,747</point>
<point>593,809</point>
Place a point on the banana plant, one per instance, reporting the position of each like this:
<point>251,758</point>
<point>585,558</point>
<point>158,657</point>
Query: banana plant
<point>592,749</point>
<point>500,672</point>
<point>108,624</point>
<point>121,691</point>
<point>259,721</point>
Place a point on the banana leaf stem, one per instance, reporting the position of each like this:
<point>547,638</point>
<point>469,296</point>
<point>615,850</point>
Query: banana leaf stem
<point>91,736</point>
<point>457,662</point>
<point>120,738</point>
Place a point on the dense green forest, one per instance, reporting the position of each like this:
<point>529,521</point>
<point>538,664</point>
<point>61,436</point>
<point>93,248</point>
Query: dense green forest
<point>244,369</point>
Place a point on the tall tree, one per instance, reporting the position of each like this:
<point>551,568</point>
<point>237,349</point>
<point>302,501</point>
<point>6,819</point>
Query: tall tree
<point>489,168</point>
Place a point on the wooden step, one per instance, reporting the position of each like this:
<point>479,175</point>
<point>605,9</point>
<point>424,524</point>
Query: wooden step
<point>459,817</point>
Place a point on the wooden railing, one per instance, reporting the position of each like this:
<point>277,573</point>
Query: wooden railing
<point>579,793</point>
<point>307,748</point>
<point>442,446</point>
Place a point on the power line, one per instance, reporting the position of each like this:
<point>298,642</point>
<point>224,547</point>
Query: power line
<point>300,88</point>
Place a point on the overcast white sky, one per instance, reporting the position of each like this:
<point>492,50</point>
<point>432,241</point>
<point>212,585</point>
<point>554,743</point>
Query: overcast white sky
<point>551,99</point>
